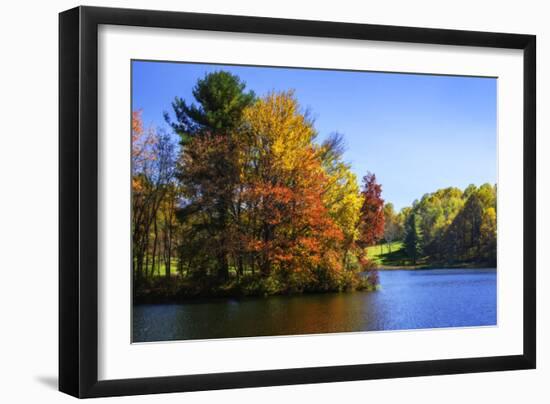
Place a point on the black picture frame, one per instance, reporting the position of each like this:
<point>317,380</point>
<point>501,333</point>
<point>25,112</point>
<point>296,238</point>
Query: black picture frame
<point>78,201</point>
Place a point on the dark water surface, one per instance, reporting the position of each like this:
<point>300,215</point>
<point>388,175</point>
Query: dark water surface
<point>407,299</point>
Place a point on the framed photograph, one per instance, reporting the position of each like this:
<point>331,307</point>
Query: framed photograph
<point>251,201</point>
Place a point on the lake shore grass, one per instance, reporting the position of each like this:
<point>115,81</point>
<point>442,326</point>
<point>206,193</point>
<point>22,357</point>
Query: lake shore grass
<point>385,257</point>
<point>392,256</point>
<point>161,297</point>
<point>159,289</point>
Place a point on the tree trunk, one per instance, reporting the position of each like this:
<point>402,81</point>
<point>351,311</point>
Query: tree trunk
<point>168,252</point>
<point>146,255</point>
<point>154,253</point>
<point>240,265</point>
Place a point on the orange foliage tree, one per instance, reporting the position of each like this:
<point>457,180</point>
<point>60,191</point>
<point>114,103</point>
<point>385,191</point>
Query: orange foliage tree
<point>261,207</point>
<point>371,222</point>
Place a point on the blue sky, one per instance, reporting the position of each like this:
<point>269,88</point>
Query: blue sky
<point>417,133</point>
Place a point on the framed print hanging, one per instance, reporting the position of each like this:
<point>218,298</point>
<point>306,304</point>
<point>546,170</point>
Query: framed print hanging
<point>250,201</point>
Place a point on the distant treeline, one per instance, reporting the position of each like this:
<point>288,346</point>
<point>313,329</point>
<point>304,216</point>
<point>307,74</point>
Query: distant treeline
<point>240,199</point>
<point>448,227</point>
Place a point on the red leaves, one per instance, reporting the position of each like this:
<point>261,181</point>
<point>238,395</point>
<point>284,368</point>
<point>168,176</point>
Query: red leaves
<point>371,224</point>
<point>256,199</point>
<point>137,123</point>
<point>293,227</point>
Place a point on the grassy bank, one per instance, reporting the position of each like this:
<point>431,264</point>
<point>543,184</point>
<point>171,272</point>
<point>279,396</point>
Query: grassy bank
<point>159,289</point>
<point>394,256</point>
<point>391,255</point>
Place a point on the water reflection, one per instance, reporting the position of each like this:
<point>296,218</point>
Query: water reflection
<point>406,300</point>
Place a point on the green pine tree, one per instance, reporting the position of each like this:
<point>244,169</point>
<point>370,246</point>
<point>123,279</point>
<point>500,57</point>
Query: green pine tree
<point>413,237</point>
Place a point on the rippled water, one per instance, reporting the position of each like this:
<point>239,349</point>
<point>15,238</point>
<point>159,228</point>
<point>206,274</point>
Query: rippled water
<point>406,300</point>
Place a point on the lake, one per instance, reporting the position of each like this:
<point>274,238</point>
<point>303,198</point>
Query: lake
<point>407,299</point>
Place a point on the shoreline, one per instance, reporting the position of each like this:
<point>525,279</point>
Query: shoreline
<point>201,298</point>
<point>432,266</point>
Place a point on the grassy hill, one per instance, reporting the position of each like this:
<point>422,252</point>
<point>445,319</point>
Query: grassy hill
<point>391,255</point>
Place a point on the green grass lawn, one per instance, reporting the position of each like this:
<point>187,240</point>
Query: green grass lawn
<point>390,255</point>
<point>160,270</point>
<point>384,255</point>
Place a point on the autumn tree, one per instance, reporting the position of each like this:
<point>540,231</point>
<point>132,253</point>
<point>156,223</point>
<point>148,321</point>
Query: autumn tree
<point>153,162</point>
<point>141,143</point>
<point>253,203</point>
<point>342,195</point>
<point>169,226</point>
<point>289,228</point>
<point>371,220</point>
<point>209,126</point>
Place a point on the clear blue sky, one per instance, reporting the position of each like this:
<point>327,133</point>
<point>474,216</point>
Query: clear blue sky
<point>417,133</point>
